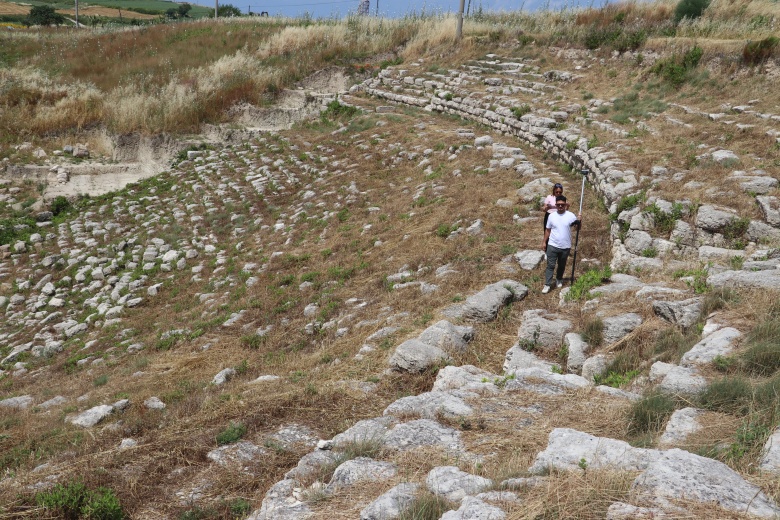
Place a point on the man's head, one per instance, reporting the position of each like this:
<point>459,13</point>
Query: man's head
<point>560,203</point>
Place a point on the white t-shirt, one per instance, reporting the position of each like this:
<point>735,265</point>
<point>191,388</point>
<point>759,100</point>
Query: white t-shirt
<point>560,229</point>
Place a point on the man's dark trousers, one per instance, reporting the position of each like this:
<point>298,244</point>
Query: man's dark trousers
<point>555,255</point>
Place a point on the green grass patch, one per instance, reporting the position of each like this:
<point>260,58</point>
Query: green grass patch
<point>74,500</point>
<point>587,281</point>
<point>231,434</point>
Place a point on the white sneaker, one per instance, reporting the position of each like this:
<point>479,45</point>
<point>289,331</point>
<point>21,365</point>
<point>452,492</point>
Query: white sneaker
<point>545,289</point>
<point>559,283</point>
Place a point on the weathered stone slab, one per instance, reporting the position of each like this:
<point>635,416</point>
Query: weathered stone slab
<point>391,504</point>
<point>719,343</point>
<point>360,469</point>
<point>529,259</point>
<point>484,306</point>
<point>567,449</point>
<point>540,329</point>
<point>429,405</point>
<point>770,458</point>
<point>472,508</point>
<point>415,356</point>
<point>677,474</point>
<point>454,484</point>
<point>617,327</point>
<point>681,424</point>
<point>423,432</point>
<point>683,313</point>
<point>746,279</point>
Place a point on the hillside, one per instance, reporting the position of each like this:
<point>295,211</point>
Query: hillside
<point>314,290</point>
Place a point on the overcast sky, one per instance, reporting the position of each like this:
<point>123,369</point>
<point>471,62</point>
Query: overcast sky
<point>395,8</point>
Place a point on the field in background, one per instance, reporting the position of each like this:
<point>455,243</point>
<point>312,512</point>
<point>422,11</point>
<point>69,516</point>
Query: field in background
<point>151,9</point>
<point>108,12</point>
<point>8,8</point>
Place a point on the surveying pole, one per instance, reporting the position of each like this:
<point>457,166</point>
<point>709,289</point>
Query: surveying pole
<point>459,30</point>
<point>77,14</point>
<point>216,9</point>
<point>584,173</point>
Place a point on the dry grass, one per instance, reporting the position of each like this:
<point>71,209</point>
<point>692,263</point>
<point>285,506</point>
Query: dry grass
<point>318,373</point>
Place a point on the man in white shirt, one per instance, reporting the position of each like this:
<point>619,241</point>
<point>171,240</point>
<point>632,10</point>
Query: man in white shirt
<point>557,242</point>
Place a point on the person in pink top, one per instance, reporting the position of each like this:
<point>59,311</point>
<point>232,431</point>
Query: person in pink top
<point>548,206</point>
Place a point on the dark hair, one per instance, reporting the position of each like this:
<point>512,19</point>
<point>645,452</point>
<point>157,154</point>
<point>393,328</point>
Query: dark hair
<point>560,198</point>
<point>558,185</point>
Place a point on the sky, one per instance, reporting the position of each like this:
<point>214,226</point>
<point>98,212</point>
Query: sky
<point>393,8</point>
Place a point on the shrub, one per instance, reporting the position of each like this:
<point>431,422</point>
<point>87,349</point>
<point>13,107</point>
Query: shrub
<point>736,228</point>
<point>671,344</point>
<point>756,53</point>
<point>427,506</point>
<point>336,110</point>
<point>717,299</point>
<point>601,36</point>
<point>650,414</point>
<point>675,69</point>
<point>593,332</point>
<point>59,205</point>
<point>762,356</point>
<point>727,395</point>
<point>521,110</point>
<point>231,434</point>
<point>690,9</point>
<point>74,500</point>
<point>629,202</point>
<point>664,222</point>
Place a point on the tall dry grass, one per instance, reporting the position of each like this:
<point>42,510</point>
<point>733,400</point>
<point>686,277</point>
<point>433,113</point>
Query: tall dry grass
<point>173,78</point>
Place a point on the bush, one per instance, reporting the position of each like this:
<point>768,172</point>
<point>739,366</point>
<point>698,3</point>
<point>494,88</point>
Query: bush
<point>675,69</point>
<point>762,356</point>
<point>629,202</point>
<point>650,414</point>
<point>756,53</point>
<point>716,300</point>
<point>59,205</point>
<point>601,36</point>
<point>427,507</point>
<point>44,15</point>
<point>336,110</point>
<point>521,110</point>
<point>671,344</point>
<point>593,332</point>
<point>727,395</point>
<point>231,434</point>
<point>74,500</point>
<point>690,9</point>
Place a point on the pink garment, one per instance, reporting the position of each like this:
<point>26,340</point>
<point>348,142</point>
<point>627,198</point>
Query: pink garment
<point>550,199</point>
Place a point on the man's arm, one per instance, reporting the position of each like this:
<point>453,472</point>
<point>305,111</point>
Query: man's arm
<point>546,237</point>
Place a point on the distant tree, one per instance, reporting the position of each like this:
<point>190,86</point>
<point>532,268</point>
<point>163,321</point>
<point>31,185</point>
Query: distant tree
<point>226,11</point>
<point>184,10</point>
<point>44,15</point>
<point>172,13</point>
<point>690,9</point>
